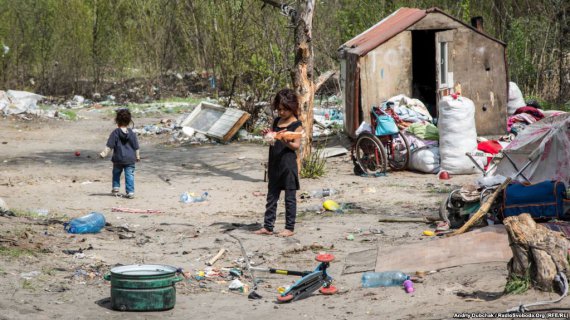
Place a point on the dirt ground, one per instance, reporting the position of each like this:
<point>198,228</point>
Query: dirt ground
<point>38,170</point>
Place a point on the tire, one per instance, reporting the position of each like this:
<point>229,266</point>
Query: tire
<point>399,155</point>
<point>451,215</point>
<point>370,154</point>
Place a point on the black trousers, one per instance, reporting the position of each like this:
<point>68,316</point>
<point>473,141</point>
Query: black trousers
<point>271,209</point>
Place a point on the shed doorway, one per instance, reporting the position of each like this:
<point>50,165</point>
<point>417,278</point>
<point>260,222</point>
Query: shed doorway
<point>424,69</point>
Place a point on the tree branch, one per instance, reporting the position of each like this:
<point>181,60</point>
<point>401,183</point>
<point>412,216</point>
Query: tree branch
<point>322,78</point>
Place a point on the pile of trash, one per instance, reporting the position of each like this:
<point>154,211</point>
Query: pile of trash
<point>17,102</point>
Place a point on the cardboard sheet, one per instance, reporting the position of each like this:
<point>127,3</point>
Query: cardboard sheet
<point>488,244</point>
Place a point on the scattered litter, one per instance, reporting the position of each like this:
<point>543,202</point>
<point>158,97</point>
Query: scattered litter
<point>129,210</point>
<point>41,212</point>
<point>30,275</point>
<point>193,198</point>
<point>91,223</point>
<point>331,205</point>
<point>236,285</point>
<point>216,257</point>
<point>80,250</point>
<point>350,237</point>
<point>229,226</point>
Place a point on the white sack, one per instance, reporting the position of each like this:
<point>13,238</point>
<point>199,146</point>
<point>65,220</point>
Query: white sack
<point>425,159</point>
<point>516,99</point>
<point>457,134</point>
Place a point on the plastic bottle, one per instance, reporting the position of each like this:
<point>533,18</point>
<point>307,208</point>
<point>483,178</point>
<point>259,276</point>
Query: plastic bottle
<point>383,279</point>
<point>321,193</point>
<point>409,286</point>
<point>91,223</point>
<point>189,198</point>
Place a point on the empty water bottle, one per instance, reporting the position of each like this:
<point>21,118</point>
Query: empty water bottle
<point>383,279</point>
<point>91,223</point>
<point>321,193</point>
<point>191,198</point>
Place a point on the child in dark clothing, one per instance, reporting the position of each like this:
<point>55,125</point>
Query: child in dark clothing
<point>125,145</point>
<point>282,166</point>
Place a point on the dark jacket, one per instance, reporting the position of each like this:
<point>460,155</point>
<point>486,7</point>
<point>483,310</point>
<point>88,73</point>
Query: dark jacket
<point>124,146</point>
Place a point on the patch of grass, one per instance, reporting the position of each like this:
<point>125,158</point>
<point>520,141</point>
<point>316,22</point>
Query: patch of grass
<point>445,190</point>
<point>28,285</point>
<point>2,272</point>
<point>315,166</point>
<point>26,213</point>
<point>70,114</point>
<point>517,284</point>
<point>48,270</point>
<point>15,252</point>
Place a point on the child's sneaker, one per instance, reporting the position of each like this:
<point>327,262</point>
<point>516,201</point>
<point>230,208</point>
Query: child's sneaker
<point>130,195</point>
<point>115,191</point>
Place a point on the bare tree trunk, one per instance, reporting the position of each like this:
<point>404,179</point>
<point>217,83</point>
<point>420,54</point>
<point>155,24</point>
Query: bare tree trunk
<point>302,71</point>
<point>302,74</point>
<point>95,52</point>
<point>536,249</point>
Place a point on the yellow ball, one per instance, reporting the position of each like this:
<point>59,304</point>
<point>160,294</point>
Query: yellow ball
<point>429,233</point>
<point>331,205</point>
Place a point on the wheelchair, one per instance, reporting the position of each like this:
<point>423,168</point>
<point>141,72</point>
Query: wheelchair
<point>373,154</point>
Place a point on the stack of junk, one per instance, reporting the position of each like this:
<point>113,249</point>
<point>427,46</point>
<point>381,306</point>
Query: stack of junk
<point>450,142</point>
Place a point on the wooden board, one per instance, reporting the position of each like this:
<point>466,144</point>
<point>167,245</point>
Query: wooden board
<point>488,244</point>
<point>360,261</point>
<point>216,121</point>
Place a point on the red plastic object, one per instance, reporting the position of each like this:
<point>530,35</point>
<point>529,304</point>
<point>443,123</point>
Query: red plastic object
<point>286,298</point>
<point>328,290</point>
<point>444,175</point>
<point>324,257</point>
<point>77,153</point>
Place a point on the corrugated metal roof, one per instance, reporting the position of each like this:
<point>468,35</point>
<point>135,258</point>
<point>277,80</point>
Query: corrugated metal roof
<point>384,30</point>
<point>390,26</point>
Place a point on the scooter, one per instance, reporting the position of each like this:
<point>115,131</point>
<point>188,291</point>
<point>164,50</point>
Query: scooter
<point>310,281</point>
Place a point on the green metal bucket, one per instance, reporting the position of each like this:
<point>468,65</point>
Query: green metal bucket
<point>143,287</point>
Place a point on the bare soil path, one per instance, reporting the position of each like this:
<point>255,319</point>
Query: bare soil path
<point>38,170</point>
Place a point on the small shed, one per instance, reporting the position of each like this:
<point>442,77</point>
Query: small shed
<point>425,54</point>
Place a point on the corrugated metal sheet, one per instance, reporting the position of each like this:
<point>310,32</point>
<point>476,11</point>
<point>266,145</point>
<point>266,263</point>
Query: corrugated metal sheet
<point>384,30</point>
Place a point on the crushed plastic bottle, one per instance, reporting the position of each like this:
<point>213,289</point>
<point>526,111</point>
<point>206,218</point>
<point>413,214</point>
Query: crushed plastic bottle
<point>322,193</point>
<point>383,279</point>
<point>409,286</point>
<point>91,223</point>
<point>192,198</point>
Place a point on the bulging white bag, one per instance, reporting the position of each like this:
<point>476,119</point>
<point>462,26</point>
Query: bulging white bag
<point>425,159</point>
<point>516,99</point>
<point>457,134</point>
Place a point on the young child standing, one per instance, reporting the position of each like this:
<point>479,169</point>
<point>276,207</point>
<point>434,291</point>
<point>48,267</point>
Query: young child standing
<point>282,166</point>
<point>125,145</point>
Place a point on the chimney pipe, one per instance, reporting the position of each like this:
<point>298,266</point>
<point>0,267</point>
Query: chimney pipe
<point>477,23</point>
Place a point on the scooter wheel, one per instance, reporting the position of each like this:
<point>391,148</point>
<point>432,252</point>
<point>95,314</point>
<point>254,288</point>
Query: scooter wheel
<point>325,257</point>
<point>284,299</point>
<point>328,290</point>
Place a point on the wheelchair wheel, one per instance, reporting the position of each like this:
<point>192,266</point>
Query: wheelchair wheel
<point>398,152</point>
<point>370,154</point>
